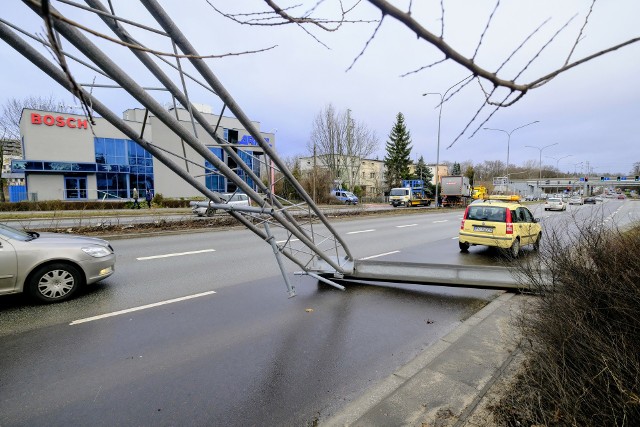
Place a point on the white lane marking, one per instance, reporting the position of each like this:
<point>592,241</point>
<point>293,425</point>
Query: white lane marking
<point>144,258</point>
<point>379,255</point>
<point>455,238</point>
<point>408,225</point>
<point>142,307</point>
<point>290,240</point>
<point>361,231</point>
<point>442,220</point>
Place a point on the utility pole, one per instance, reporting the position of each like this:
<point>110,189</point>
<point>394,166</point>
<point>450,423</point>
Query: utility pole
<point>315,171</point>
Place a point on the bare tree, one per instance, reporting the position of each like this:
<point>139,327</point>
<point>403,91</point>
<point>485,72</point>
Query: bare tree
<point>490,81</point>
<point>339,143</point>
<point>12,112</point>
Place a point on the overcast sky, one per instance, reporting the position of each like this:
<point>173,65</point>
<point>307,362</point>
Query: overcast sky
<point>592,112</point>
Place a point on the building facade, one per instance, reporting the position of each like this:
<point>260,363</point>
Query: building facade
<point>64,158</point>
<point>368,174</point>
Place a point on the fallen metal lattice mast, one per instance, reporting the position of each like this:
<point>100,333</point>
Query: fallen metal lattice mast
<point>305,245</point>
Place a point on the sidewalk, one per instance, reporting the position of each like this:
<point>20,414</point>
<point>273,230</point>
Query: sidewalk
<point>449,384</point>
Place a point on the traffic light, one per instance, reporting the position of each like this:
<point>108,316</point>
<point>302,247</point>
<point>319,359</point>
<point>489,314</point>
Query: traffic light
<point>602,178</point>
<point>586,179</point>
<point>637,177</point>
<point>617,178</point>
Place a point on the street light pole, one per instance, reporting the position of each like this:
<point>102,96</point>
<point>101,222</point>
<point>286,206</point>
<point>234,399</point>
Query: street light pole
<point>557,159</point>
<point>541,148</point>
<point>442,97</point>
<point>509,141</point>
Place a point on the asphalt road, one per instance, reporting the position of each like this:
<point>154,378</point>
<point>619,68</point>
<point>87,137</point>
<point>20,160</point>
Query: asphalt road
<point>238,351</point>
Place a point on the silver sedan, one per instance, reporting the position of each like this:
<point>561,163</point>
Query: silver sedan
<point>50,266</point>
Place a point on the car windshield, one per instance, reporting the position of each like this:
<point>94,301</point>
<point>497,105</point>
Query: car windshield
<point>487,213</point>
<point>554,200</point>
<point>349,194</point>
<point>15,234</point>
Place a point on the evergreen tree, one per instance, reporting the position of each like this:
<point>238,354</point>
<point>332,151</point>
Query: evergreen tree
<point>470,173</point>
<point>398,156</point>
<point>424,173</point>
<point>455,169</point>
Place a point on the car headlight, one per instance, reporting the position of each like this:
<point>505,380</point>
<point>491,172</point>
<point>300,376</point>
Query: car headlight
<point>96,251</point>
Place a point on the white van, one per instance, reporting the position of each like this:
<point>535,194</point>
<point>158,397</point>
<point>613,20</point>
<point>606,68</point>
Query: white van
<point>204,208</point>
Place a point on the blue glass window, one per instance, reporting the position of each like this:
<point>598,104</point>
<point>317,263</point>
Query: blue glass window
<point>123,166</point>
<point>213,181</point>
<point>75,187</point>
<point>254,165</point>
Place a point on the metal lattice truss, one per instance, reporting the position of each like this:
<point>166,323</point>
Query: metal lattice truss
<point>311,242</point>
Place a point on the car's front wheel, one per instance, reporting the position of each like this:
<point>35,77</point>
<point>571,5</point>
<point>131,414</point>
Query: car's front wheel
<point>54,282</point>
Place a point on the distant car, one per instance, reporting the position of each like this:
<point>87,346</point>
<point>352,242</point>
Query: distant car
<point>621,196</point>
<point>590,200</point>
<point>505,225</point>
<point>555,204</point>
<point>205,208</point>
<point>51,267</point>
<point>599,199</point>
<point>346,197</point>
<point>576,200</point>
<point>530,198</point>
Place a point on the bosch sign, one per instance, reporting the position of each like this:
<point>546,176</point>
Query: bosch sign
<point>59,121</point>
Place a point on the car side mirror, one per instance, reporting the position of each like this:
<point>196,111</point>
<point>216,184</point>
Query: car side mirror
<point>536,219</point>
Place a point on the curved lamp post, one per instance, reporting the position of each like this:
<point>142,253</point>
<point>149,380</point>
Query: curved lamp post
<point>557,159</point>
<point>509,141</point>
<point>442,97</point>
<point>541,148</point>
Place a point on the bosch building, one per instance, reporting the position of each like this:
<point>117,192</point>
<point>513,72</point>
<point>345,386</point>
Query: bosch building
<point>66,158</point>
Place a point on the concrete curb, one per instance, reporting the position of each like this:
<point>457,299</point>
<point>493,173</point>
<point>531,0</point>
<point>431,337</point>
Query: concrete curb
<point>362,410</point>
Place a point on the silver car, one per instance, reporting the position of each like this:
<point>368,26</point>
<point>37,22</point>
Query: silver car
<point>49,266</point>
<point>232,199</point>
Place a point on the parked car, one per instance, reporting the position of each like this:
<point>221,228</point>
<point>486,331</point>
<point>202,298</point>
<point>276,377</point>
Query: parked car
<point>234,199</point>
<point>621,196</point>
<point>345,196</point>
<point>576,200</point>
<point>590,200</point>
<point>555,204</point>
<point>508,226</point>
<point>49,266</point>
<point>599,199</point>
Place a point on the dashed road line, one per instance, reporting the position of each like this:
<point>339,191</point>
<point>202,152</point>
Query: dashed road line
<point>145,258</point>
<point>361,231</point>
<point>290,240</point>
<point>379,255</point>
<point>142,307</point>
<point>407,225</point>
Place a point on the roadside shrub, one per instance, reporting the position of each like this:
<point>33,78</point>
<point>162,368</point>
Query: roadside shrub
<point>64,205</point>
<point>581,336</point>
<point>158,200</point>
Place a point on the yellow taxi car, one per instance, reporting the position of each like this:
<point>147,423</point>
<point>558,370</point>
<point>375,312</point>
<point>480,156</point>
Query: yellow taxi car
<point>505,225</point>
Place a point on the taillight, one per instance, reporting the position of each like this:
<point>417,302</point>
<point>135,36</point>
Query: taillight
<point>509,223</point>
<point>466,212</point>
